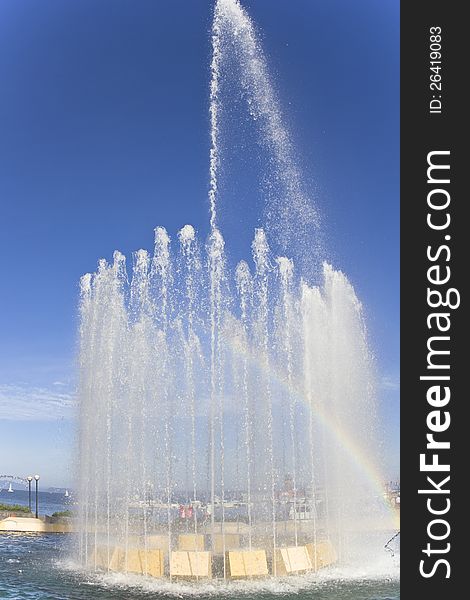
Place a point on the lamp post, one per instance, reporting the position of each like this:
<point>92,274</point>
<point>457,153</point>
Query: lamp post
<point>36,477</point>
<point>30,479</point>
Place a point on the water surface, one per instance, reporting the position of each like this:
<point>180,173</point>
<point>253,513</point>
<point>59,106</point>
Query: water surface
<point>39,567</point>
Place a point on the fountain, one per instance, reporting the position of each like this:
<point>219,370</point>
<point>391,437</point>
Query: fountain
<point>227,421</point>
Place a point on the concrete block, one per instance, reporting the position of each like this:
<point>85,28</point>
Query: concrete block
<point>158,542</point>
<point>321,554</point>
<point>232,542</point>
<point>294,559</point>
<point>117,559</point>
<point>133,561</point>
<point>190,565</point>
<point>191,542</point>
<point>60,527</point>
<point>24,524</point>
<point>133,541</point>
<point>227,527</point>
<point>154,542</point>
<point>155,563</point>
<point>150,562</point>
<point>243,564</point>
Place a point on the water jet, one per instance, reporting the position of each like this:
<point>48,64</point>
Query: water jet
<point>227,421</point>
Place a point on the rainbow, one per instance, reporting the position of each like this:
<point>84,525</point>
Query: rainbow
<point>364,465</point>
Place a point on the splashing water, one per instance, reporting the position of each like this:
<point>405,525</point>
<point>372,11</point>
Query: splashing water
<point>271,377</point>
<point>290,215</point>
<point>224,402</point>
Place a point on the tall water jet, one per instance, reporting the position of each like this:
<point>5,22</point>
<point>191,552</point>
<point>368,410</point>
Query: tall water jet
<point>86,345</point>
<point>286,268</point>
<point>189,250</point>
<point>260,250</point>
<point>216,274</point>
<point>161,265</point>
<point>290,214</point>
<point>313,313</point>
<point>245,289</point>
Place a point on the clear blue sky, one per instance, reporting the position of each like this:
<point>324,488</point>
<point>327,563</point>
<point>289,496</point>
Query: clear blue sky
<point>104,135</point>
